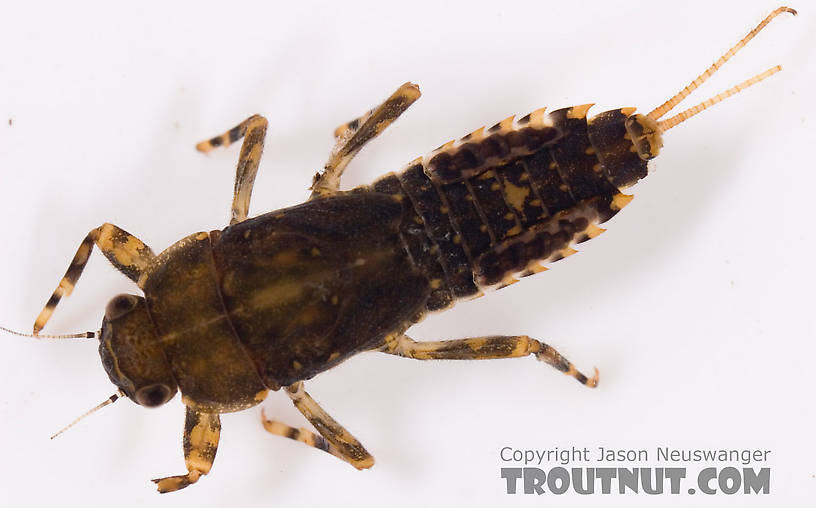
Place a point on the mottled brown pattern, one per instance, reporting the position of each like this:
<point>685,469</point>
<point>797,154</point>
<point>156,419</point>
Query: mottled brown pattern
<point>274,300</point>
<point>502,222</point>
<point>289,305</point>
<point>577,159</point>
<point>222,376</point>
<point>519,192</point>
<point>608,134</point>
<point>475,156</point>
<point>431,206</point>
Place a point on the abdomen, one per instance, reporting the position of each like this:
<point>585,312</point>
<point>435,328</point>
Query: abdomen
<point>497,204</point>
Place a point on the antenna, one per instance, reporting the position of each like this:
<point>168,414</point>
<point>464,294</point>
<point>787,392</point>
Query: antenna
<point>82,335</point>
<point>690,112</point>
<point>682,94</point>
<point>110,400</point>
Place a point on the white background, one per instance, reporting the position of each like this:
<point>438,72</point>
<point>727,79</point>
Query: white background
<point>696,305</point>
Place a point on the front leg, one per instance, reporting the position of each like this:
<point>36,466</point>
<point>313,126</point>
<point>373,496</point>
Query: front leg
<point>352,136</point>
<point>126,252</point>
<point>201,434</point>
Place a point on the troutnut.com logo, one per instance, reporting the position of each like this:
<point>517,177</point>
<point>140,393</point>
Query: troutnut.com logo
<point>661,470</point>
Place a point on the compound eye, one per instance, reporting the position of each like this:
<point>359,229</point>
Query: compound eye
<point>153,395</point>
<point>120,305</point>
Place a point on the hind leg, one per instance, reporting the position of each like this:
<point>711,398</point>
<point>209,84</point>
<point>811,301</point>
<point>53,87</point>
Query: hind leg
<point>352,136</point>
<point>485,348</point>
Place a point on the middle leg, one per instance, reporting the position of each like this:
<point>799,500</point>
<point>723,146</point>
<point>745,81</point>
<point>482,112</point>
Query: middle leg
<point>253,130</point>
<point>300,435</point>
<point>340,441</point>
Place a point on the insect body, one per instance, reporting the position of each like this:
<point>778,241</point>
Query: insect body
<point>271,301</point>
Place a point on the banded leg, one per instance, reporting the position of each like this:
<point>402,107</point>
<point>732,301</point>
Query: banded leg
<point>201,434</point>
<point>126,252</point>
<point>485,348</point>
<point>348,129</point>
<point>253,130</point>
<point>301,435</point>
<point>346,446</point>
<point>351,137</point>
